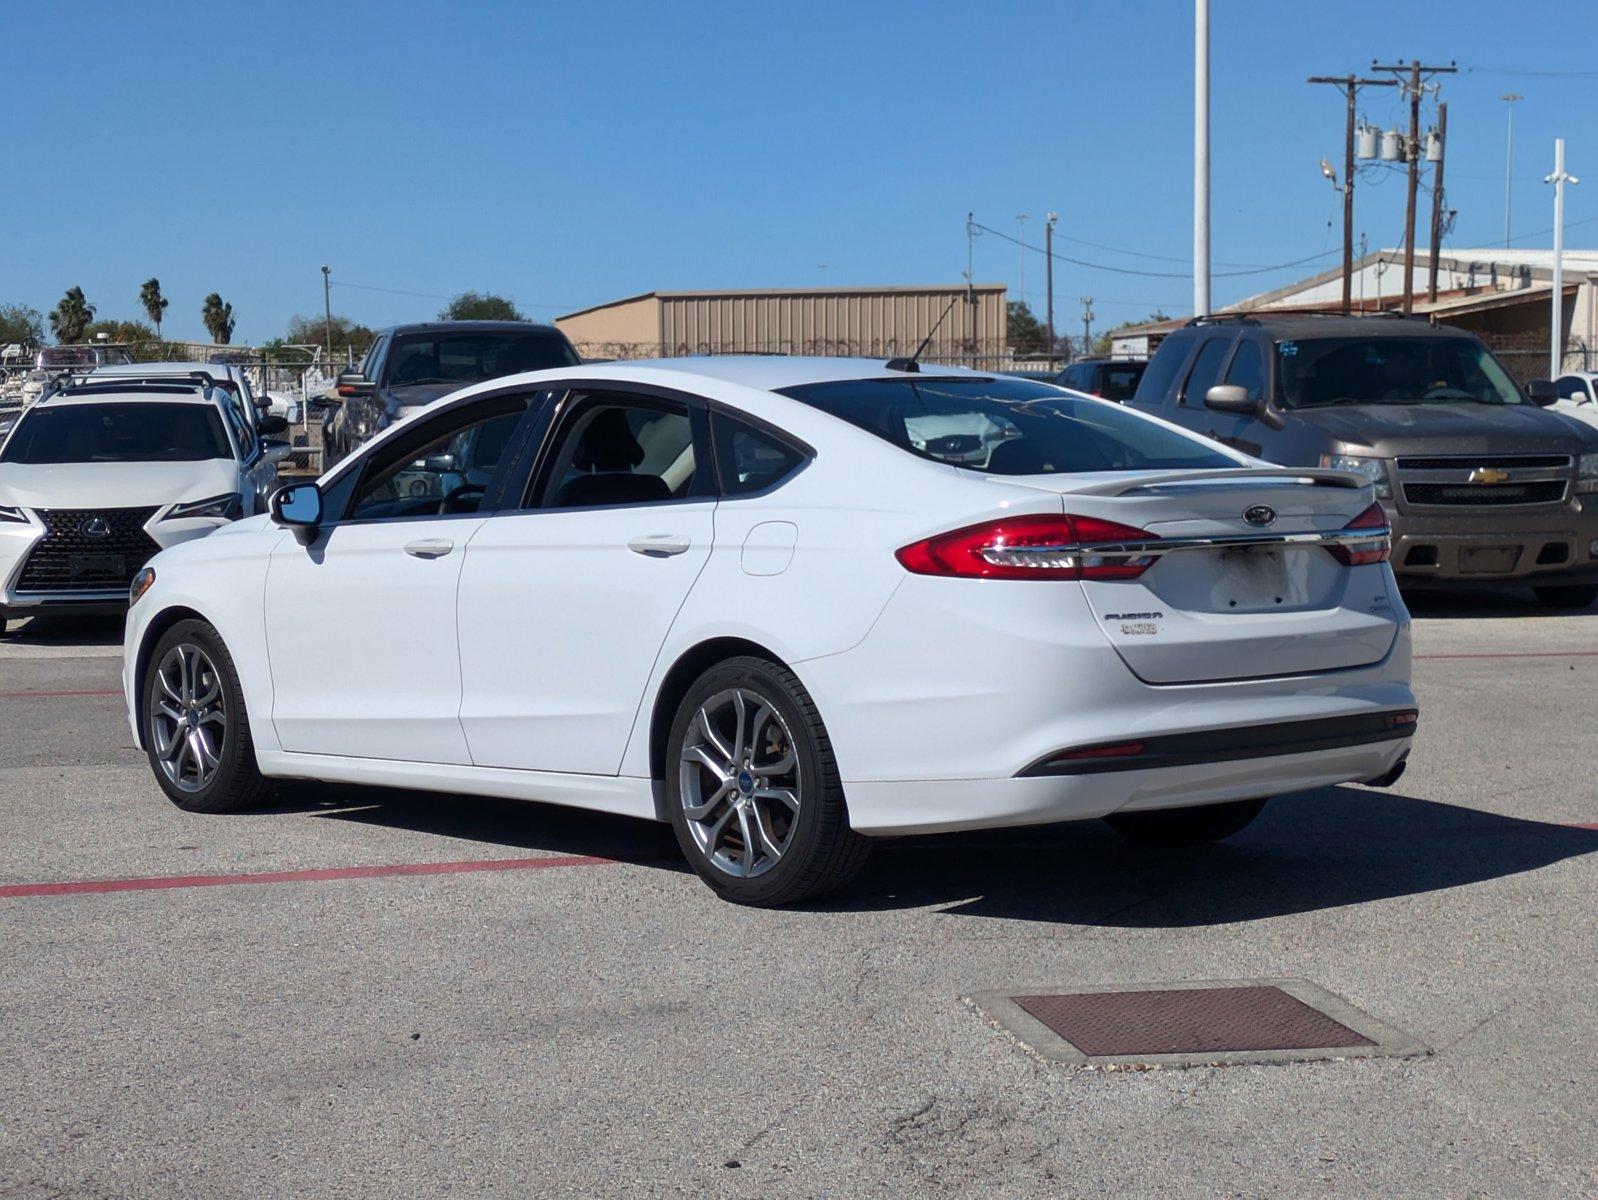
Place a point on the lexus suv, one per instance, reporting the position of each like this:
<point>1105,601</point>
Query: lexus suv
<point>97,478</point>
<point>1482,484</point>
<point>410,366</point>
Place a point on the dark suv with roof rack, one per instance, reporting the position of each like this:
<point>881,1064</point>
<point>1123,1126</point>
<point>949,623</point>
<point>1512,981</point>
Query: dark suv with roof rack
<point>1481,483</point>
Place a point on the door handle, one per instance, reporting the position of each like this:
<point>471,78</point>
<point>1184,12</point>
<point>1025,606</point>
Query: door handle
<point>660,545</point>
<point>429,548</point>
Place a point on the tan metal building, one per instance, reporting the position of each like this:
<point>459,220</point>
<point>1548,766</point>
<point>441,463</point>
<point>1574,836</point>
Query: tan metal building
<point>864,322</point>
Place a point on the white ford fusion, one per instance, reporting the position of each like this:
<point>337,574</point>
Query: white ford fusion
<point>788,605</point>
<point>94,480</point>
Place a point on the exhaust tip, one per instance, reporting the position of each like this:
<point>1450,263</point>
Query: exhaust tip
<point>1392,776</point>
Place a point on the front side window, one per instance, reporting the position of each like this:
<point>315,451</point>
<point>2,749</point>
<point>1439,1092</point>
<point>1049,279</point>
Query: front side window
<point>1206,370</point>
<point>749,459</point>
<point>615,449</point>
<point>1319,372</point>
<point>443,467</point>
<point>1008,426</point>
<point>139,431</point>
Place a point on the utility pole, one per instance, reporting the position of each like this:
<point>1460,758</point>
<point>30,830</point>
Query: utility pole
<point>970,289</point>
<point>1413,87</point>
<point>327,313</point>
<point>1048,269</point>
<point>1201,158</point>
<point>1349,85</point>
<point>1087,326</point>
<point>1509,99</point>
<point>1437,204</point>
<point>1020,254</point>
<point>1556,333</point>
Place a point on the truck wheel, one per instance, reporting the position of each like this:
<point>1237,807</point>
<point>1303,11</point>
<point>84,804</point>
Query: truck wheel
<point>1568,595</point>
<point>1177,827</point>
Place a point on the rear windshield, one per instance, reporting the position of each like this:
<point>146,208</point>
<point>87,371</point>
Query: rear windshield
<point>136,432</point>
<point>1004,426</point>
<point>1318,372</point>
<point>462,358</point>
<point>1118,381</point>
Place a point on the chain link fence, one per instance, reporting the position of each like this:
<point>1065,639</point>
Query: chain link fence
<point>1526,355</point>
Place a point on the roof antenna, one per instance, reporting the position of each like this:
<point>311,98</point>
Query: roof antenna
<point>910,364</point>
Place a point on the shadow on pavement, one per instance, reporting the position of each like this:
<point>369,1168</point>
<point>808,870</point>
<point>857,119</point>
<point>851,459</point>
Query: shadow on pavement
<point>1485,602</point>
<point>1319,850</point>
<point>67,631</point>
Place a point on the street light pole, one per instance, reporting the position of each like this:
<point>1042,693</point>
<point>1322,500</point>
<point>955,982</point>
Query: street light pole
<point>327,314</point>
<point>1048,269</point>
<point>1201,158</point>
<point>1556,333</point>
<point>1509,99</point>
<point>1349,85</point>
<point>1020,254</point>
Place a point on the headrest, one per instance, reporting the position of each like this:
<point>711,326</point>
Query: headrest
<point>608,444</point>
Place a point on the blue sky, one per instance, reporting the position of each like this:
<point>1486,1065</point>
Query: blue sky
<point>566,155</point>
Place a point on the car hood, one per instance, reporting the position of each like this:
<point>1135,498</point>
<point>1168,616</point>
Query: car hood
<point>114,485</point>
<point>1451,428</point>
<point>419,395</point>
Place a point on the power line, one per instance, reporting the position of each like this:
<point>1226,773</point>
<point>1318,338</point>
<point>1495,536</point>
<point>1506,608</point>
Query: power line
<point>1530,71</point>
<point>1147,274</point>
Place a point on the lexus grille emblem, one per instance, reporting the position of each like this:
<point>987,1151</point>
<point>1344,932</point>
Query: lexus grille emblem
<point>1259,514</point>
<point>95,527</point>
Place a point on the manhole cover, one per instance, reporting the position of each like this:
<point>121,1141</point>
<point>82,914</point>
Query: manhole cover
<point>1189,1024</point>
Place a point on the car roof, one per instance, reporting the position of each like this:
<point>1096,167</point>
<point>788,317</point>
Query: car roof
<point>169,393</point>
<point>471,327</point>
<point>766,372</point>
<point>1303,326</point>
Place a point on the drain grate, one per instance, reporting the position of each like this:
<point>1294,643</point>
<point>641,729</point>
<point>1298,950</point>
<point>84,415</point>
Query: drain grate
<point>1187,1024</point>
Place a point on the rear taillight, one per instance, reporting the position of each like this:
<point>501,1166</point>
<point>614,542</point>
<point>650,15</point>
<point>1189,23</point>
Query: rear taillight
<point>1375,550</point>
<point>1037,547</point>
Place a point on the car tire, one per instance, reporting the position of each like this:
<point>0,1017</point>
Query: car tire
<point>189,692</point>
<point>1567,595</point>
<point>1174,828</point>
<point>753,790</point>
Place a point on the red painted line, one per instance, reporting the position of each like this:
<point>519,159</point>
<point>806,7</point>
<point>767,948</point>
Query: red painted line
<point>1526,654</point>
<point>166,882</point>
<point>34,695</point>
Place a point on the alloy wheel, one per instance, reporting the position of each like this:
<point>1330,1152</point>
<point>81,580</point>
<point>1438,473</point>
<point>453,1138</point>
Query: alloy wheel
<point>740,782</point>
<point>188,717</point>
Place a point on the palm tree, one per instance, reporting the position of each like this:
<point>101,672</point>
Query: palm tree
<point>154,302</point>
<point>71,316</point>
<point>218,318</point>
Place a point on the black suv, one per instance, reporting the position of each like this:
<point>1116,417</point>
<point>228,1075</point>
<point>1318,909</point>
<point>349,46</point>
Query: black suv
<point>410,366</point>
<point>1109,378</point>
<point>1480,483</point>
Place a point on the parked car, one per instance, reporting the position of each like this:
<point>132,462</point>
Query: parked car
<point>1480,484</point>
<point>96,479</point>
<point>231,377</point>
<point>1578,396</point>
<point>410,366</point>
<point>736,594</point>
<point>1113,379</point>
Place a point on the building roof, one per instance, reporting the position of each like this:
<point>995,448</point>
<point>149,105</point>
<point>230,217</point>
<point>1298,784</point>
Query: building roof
<point>765,293</point>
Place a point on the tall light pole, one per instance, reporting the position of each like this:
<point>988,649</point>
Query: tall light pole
<point>1556,335</point>
<point>1201,158</point>
<point>1020,254</point>
<point>327,313</point>
<point>1509,99</point>
<point>1048,269</point>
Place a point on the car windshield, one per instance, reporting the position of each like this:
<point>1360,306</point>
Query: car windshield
<point>462,358</point>
<point>141,431</point>
<point>1316,372</point>
<point>1006,426</point>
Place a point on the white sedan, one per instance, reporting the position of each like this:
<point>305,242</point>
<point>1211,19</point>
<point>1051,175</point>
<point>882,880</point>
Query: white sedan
<point>96,479</point>
<point>741,595</point>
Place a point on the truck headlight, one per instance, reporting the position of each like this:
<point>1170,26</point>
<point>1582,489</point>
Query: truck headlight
<point>227,507</point>
<point>1374,469</point>
<point>1587,473</point>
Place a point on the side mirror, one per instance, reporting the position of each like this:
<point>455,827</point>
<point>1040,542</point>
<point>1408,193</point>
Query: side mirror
<point>271,423</point>
<point>299,506</point>
<point>1229,397</point>
<point>353,383</point>
<point>1543,392</point>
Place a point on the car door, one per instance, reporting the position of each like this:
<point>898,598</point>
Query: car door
<point>565,602</point>
<point>361,623</point>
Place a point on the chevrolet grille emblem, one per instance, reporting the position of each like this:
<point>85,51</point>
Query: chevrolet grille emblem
<point>1488,475</point>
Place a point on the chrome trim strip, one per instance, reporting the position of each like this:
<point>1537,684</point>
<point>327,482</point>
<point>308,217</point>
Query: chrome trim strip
<point>1160,546</point>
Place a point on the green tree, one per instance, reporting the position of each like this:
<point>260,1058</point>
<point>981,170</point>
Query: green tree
<point>19,323</point>
<point>71,316</point>
<point>155,304</point>
<point>119,331</point>
<point>218,318</point>
<point>1026,333</point>
<point>348,336</point>
<point>480,306</point>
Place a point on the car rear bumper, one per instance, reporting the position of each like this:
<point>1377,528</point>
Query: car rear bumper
<point>1499,545</point>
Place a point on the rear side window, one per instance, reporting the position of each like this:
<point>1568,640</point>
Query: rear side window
<point>1008,426</point>
<point>750,459</point>
<point>1206,368</point>
<point>1161,373</point>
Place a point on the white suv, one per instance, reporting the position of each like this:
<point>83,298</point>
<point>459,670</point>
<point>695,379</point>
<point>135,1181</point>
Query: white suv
<point>94,480</point>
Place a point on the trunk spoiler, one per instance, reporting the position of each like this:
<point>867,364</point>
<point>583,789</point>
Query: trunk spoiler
<point>1309,476</point>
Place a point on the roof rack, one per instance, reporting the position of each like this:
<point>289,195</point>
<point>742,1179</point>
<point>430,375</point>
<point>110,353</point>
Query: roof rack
<point>1253,316</point>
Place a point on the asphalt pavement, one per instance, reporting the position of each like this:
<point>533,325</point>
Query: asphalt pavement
<point>377,993</point>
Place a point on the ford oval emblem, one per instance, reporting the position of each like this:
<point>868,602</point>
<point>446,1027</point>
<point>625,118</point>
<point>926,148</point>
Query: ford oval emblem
<point>1259,514</point>
<point>95,527</point>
